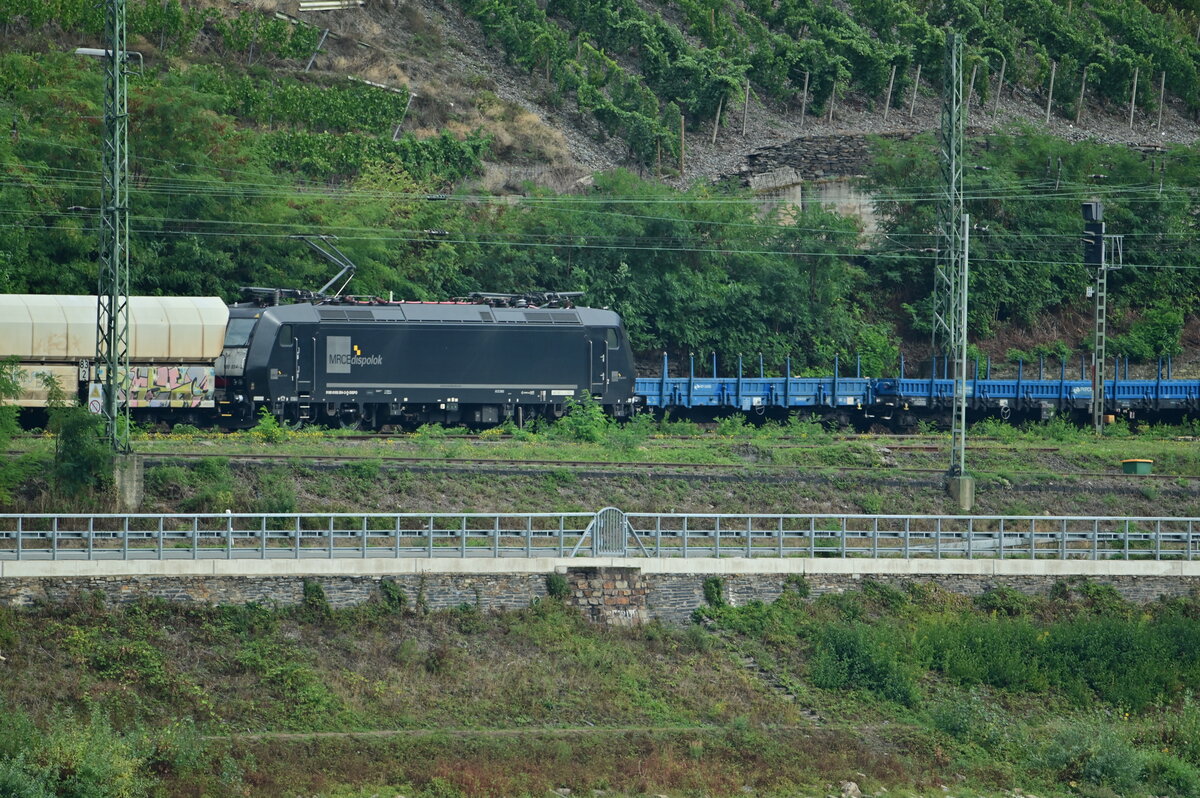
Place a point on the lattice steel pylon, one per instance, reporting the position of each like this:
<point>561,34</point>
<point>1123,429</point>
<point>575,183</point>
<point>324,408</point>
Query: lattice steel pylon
<point>950,274</point>
<point>112,290</point>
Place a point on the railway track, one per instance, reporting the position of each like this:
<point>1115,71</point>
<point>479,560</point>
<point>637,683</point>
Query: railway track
<point>740,471</point>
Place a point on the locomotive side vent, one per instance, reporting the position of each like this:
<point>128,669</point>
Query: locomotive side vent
<point>332,315</point>
<point>564,317</point>
<point>360,315</point>
<point>486,315</point>
<point>538,316</point>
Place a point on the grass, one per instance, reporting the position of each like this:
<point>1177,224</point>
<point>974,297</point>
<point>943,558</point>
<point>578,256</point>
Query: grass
<point>1070,695</point>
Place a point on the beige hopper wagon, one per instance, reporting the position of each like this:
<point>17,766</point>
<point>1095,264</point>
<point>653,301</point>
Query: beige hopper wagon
<point>173,343</point>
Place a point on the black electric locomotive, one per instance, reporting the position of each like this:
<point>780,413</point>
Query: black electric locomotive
<point>352,362</point>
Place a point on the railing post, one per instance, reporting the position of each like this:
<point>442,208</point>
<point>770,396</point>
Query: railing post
<point>684,532</point>
<point>1127,539</point>
<point>496,536</point>
<point>781,536</point>
<point>462,538</point>
<point>195,537</point>
<point>20,535</point>
<point>1002,538</point>
<point>1158,540</point>
<point>430,549</point>
<point>1062,541</point>
<point>1095,538</point>
<point>717,548</point>
<point>845,544</point>
<point>937,541</point>
<point>528,536</point>
<point>364,537</point>
<point>970,538</point>
<point>749,537</point>
<point>812,536</point>
<point>329,539</point>
<point>658,552</point>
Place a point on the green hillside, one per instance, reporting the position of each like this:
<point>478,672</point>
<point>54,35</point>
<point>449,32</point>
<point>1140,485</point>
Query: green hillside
<point>236,149</point>
<point>906,692</point>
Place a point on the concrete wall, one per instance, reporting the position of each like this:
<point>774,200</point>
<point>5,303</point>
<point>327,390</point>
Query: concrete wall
<point>609,591</point>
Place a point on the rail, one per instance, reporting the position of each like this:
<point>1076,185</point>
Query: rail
<point>606,533</point>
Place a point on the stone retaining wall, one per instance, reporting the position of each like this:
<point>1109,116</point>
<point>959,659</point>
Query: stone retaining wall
<point>611,596</point>
<point>815,157</point>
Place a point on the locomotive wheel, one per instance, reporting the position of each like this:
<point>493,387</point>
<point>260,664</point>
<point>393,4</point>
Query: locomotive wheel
<point>373,418</point>
<point>339,416</point>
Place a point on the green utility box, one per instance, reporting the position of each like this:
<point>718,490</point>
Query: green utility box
<point>1136,466</point>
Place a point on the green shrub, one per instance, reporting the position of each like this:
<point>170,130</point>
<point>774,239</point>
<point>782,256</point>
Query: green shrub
<point>1093,752</point>
<point>1169,775</point>
<point>883,595</point>
<point>167,480</point>
<point>83,457</point>
<point>557,586</point>
<point>956,718</point>
<point>301,694</point>
<point>734,426</point>
<point>393,595</point>
<point>268,428</point>
<point>1005,600</point>
<point>583,422</point>
<point>314,606</point>
<point>797,584</point>
<point>1154,335</point>
<point>1000,652</point>
<point>714,591</point>
<point>857,656</point>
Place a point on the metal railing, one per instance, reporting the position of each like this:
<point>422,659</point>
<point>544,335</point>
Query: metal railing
<point>607,533</point>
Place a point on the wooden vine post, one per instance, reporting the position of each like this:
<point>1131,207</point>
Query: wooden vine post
<point>804,99</point>
<point>832,101</point>
<point>999,85</point>
<point>745,107</point>
<point>682,138</point>
<point>1162,96</point>
<point>1082,89</point>
<point>1133,97</point>
<point>717,121</point>
<point>887,104</point>
<point>912,105</point>
<point>1050,96</point>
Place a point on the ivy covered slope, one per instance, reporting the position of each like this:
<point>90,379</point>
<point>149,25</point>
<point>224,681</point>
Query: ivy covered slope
<point>637,66</point>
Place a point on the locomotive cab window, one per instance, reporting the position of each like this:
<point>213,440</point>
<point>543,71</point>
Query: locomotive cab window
<point>238,332</point>
<point>610,335</point>
<point>285,335</point>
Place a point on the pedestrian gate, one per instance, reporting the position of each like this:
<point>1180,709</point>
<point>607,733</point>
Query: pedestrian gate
<point>609,534</point>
